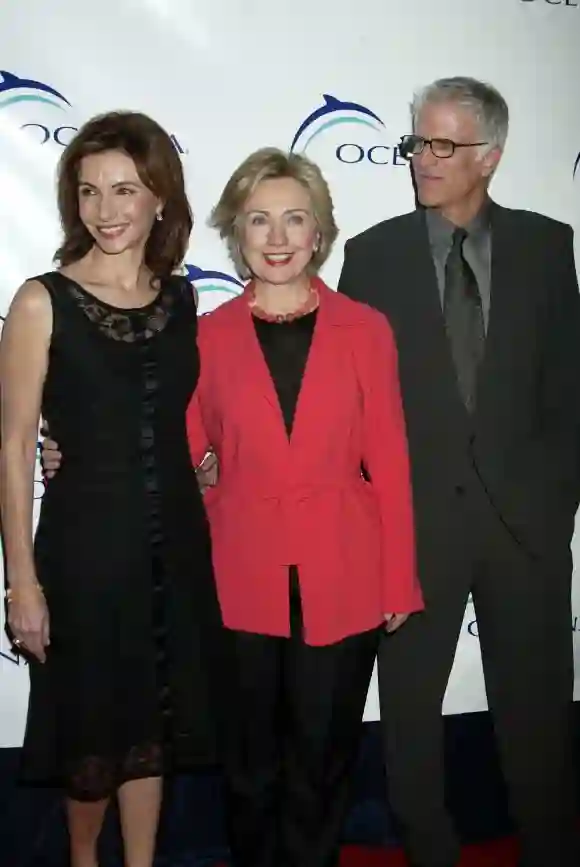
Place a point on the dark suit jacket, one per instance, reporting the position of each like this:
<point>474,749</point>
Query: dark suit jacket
<point>524,438</point>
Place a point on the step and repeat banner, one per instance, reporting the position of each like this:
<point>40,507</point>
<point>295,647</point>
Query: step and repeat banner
<point>225,77</point>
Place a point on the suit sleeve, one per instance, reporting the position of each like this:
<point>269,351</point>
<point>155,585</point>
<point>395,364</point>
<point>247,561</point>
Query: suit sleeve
<point>386,459</point>
<point>560,393</point>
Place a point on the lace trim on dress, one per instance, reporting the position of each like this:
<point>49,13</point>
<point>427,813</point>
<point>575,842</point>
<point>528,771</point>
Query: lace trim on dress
<point>93,778</point>
<point>129,326</point>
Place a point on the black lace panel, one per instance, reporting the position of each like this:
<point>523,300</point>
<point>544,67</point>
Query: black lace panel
<point>127,326</point>
<point>96,777</point>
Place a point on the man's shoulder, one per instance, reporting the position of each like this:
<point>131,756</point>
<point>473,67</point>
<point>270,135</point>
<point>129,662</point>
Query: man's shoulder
<point>347,311</point>
<point>394,228</point>
<point>531,221</point>
<point>386,230</point>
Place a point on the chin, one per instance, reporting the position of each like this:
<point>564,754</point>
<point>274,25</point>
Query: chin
<point>429,198</point>
<point>280,276</point>
<point>115,246</point>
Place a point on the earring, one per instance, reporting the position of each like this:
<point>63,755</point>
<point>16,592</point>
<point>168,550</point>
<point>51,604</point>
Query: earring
<point>159,216</point>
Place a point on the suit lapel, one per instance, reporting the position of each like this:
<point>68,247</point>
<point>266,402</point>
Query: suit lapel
<point>422,285</point>
<point>507,306</point>
<point>422,325</point>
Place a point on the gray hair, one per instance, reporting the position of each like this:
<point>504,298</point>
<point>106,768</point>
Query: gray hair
<point>486,103</point>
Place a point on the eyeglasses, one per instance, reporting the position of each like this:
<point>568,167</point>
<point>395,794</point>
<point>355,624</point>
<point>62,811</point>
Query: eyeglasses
<point>443,148</point>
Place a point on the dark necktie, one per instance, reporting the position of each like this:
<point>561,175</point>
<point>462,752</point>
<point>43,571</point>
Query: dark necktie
<point>464,319</point>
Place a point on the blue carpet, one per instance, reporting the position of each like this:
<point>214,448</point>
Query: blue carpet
<point>33,833</point>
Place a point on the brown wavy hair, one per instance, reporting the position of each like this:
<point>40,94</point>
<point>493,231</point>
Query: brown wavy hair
<point>159,167</point>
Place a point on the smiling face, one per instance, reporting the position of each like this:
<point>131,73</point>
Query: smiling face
<point>115,206</point>
<point>449,182</point>
<point>278,231</point>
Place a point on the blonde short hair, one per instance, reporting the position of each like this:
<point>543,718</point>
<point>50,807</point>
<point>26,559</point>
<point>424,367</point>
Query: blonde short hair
<point>267,164</point>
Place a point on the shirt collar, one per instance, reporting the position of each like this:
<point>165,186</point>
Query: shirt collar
<point>441,229</point>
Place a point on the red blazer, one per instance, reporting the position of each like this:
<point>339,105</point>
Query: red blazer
<point>302,501</point>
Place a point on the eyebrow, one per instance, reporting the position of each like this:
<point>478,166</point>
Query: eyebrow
<point>116,184</point>
<point>287,211</point>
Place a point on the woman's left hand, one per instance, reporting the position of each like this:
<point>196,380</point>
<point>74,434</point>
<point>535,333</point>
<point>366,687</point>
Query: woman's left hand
<point>393,621</point>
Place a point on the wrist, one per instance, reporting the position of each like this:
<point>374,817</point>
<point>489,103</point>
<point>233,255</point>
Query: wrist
<point>23,588</point>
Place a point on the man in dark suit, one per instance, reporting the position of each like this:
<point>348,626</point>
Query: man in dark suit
<point>485,308</point>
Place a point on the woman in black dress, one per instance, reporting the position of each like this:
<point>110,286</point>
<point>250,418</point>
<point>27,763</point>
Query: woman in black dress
<point>115,603</point>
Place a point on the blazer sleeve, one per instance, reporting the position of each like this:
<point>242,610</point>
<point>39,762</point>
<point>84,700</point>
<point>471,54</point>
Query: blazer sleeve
<point>386,459</point>
<point>196,433</point>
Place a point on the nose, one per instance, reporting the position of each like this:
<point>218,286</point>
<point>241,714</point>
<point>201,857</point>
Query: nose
<point>106,209</point>
<point>426,159</point>
<point>277,234</point>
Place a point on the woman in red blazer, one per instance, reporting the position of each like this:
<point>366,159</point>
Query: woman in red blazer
<point>299,390</point>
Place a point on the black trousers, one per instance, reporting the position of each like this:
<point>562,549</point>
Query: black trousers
<point>292,735</point>
<point>524,620</point>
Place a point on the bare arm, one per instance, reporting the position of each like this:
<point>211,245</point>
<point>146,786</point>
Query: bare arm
<point>23,364</point>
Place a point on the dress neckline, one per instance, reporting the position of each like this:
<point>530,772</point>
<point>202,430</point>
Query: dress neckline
<point>153,303</point>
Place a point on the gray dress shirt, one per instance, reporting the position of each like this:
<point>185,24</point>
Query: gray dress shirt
<point>476,249</point>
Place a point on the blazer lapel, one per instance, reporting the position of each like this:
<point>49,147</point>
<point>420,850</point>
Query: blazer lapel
<point>319,373</point>
<point>254,366</point>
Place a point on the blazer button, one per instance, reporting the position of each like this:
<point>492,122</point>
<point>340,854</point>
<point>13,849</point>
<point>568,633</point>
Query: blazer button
<point>460,490</point>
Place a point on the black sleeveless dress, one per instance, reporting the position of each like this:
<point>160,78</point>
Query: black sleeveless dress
<point>123,551</point>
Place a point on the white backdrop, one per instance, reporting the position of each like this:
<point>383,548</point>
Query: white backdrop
<point>228,76</point>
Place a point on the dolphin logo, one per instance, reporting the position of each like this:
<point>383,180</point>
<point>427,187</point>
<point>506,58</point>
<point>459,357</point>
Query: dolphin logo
<point>11,84</point>
<point>576,165</point>
<point>213,281</point>
<point>333,106</point>
<point>14,658</point>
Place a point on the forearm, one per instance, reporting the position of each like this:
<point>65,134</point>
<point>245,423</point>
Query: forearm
<point>16,497</point>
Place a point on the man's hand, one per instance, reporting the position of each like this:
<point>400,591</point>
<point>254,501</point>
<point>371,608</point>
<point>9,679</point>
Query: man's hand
<point>50,457</point>
<point>207,472</point>
<point>394,621</point>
